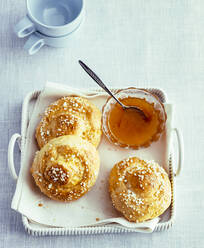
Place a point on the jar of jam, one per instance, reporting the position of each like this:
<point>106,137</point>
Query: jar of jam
<point>129,128</point>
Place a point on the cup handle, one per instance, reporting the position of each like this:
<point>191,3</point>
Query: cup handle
<point>33,44</point>
<point>24,27</point>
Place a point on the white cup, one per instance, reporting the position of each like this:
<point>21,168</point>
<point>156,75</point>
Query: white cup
<point>51,17</point>
<point>37,40</point>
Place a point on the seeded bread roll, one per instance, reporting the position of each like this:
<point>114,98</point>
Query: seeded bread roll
<point>70,115</point>
<point>139,189</point>
<point>66,168</point>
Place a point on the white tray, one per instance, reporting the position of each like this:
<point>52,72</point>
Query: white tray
<point>38,230</point>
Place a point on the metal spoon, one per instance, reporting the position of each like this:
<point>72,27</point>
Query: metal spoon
<point>102,85</point>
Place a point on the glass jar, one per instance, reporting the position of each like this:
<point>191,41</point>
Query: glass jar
<point>128,128</point>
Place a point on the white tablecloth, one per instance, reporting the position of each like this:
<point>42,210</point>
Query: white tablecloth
<point>152,43</point>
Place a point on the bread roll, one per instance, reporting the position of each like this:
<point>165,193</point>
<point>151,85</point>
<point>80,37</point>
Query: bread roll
<point>66,168</point>
<point>139,189</point>
<point>70,115</point>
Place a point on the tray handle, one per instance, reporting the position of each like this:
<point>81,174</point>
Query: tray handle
<point>14,138</point>
<point>180,151</point>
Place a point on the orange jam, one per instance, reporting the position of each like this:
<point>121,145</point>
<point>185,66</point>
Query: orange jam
<point>128,127</point>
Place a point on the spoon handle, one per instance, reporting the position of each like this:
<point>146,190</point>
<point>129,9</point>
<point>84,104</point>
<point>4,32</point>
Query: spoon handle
<point>98,80</point>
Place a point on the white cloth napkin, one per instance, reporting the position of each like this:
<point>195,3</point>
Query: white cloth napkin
<point>95,207</point>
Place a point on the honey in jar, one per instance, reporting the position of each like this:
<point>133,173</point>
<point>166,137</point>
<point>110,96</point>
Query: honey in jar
<point>128,127</point>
